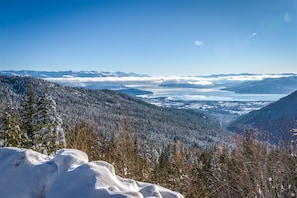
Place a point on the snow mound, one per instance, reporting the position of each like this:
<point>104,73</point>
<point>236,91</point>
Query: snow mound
<point>29,174</point>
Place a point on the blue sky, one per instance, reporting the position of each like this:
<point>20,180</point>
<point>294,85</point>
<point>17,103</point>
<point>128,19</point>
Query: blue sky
<point>155,37</point>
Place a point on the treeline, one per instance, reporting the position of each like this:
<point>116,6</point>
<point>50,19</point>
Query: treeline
<point>36,125</point>
<point>249,169</point>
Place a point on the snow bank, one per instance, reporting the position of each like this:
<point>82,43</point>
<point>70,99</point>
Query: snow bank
<point>28,174</point>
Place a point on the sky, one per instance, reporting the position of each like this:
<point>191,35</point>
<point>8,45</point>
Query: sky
<point>154,37</point>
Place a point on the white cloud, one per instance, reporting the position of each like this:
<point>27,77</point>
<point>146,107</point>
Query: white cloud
<point>199,43</point>
<point>252,35</point>
<point>155,80</point>
<point>288,17</point>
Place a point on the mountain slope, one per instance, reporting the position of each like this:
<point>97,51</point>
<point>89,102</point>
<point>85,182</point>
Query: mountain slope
<point>111,110</point>
<point>284,85</point>
<point>276,120</point>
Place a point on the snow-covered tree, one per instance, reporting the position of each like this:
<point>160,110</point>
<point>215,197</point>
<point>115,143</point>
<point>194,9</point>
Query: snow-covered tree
<point>27,112</point>
<point>48,132</point>
<point>10,131</point>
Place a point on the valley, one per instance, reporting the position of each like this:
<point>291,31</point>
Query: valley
<point>222,96</point>
<point>223,111</point>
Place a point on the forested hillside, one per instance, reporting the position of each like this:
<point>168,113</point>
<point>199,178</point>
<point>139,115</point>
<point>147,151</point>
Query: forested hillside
<point>274,122</point>
<point>110,110</point>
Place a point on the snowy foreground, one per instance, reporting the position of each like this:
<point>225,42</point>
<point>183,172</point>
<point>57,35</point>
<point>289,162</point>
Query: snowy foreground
<point>29,174</point>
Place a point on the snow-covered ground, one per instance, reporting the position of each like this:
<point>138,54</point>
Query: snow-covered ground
<point>29,174</point>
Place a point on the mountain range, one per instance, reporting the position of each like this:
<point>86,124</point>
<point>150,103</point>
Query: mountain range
<point>67,74</point>
<point>244,83</point>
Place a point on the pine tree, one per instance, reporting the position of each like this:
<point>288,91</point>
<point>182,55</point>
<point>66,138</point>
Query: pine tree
<point>85,138</point>
<point>178,166</point>
<point>48,132</point>
<point>10,131</point>
<point>27,112</point>
<point>162,167</point>
<point>201,173</point>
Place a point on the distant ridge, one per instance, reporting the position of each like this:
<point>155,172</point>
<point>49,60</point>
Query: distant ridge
<point>284,85</point>
<point>69,74</point>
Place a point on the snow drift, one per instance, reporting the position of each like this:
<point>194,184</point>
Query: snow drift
<point>28,174</point>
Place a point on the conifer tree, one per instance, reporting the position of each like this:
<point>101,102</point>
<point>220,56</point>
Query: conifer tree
<point>48,132</point>
<point>200,173</point>
<point>111,152</point>
<point>162,167</point>
<point>27,112</point>
<point>10,131</point>
<point>85,138</point>
<point>178,166</point>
